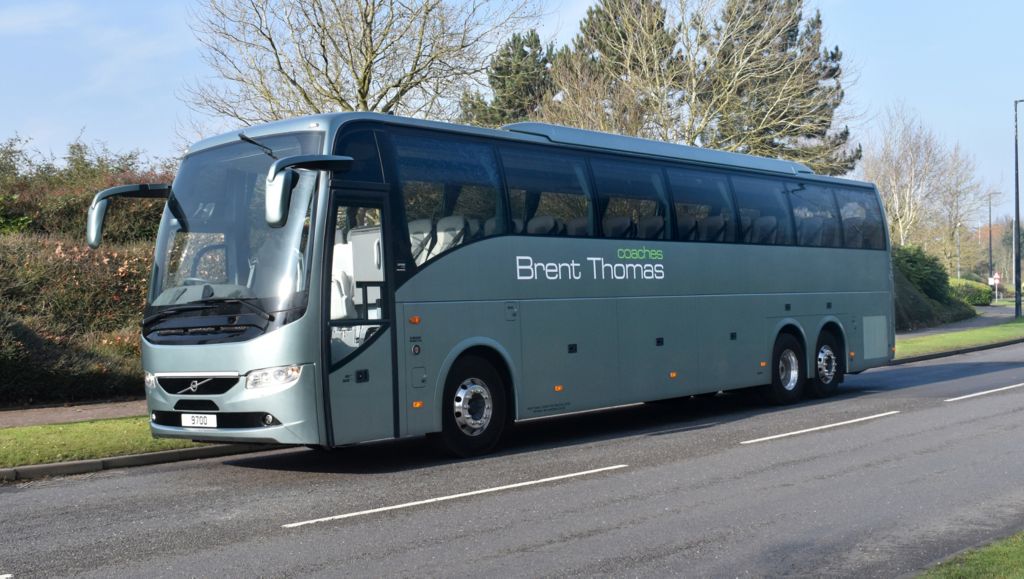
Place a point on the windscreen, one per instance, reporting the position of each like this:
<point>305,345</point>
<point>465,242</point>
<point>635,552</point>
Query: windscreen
<point>214,242</point>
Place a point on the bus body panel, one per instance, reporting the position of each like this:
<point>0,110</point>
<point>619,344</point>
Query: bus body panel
<point>446,330</point>
<point>361,394</point>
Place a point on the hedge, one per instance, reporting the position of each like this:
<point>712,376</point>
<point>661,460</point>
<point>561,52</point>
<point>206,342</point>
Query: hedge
<point>972,292</point>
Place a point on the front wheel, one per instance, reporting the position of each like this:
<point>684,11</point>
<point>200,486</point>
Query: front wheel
<point>828,367</point>
<point>473,407</point>
<point>788,374</point>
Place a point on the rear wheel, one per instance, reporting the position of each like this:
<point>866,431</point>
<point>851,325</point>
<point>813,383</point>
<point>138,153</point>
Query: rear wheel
<point>473,407</point>
<point>788,374</point>
<point>828,367</point>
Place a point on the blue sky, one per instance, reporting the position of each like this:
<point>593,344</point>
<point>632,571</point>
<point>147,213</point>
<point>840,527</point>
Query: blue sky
<point>116,69</point>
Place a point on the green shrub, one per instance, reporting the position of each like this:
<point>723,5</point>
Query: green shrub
<point>923,270</point>
<point>974,293</point>
<point>971,276</point>
<point>69,319</point>
<point>73,288</point>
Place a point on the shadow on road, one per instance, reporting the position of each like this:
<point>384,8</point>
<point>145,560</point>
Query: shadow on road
<point>650,419</point>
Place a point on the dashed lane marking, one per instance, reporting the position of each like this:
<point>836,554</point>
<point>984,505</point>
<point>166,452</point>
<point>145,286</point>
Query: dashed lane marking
<point>452,497</point>
<point>958,398</point>
<point>816,428</point>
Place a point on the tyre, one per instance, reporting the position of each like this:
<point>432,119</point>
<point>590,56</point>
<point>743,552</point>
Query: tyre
<point>473,407</point>
<point>828,367</point>
<point>788,373</point>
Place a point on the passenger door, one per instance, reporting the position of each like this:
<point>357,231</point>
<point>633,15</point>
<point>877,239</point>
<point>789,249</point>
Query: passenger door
<point>360,394</point>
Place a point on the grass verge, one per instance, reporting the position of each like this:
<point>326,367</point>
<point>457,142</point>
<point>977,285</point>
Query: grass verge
<point>1001,559</point>
<point>25,445</point>
<point>909,346</point>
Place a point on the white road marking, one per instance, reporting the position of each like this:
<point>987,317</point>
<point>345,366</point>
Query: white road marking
<point>8,576</point>
<point>451,497</point>
<point>806,430</point>
<point>958,398</point>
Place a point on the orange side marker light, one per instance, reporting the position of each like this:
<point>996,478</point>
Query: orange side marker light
<point>673,374</point>
<point>764,364</point>
<point>417,404</point>
<point>559,387</point>
<point>415,320</point>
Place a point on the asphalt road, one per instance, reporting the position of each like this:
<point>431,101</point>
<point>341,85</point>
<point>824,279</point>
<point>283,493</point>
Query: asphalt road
<point>690,495</point>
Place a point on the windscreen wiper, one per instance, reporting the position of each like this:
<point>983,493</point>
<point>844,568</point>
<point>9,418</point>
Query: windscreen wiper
<point>214,301</point>
<point>266,149</point>
<point>175,309</point>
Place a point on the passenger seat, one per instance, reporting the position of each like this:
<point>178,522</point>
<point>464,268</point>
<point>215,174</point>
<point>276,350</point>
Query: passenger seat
<point>651,227</point>
<point>619,226</point>
<point>421,239</point>
<point>451,231</point>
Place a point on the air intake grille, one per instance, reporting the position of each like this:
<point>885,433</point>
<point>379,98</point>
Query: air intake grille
<point>196,386</point>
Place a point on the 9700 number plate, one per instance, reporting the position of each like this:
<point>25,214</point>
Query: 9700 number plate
<point>199,420</point>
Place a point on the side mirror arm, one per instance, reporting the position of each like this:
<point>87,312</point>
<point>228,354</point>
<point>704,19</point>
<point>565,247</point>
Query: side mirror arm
<point>281,177</point>
<point>98,208</point>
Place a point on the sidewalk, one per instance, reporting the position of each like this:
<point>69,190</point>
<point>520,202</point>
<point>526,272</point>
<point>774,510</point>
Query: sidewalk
<point>82,412</point>
<point>987,316</point>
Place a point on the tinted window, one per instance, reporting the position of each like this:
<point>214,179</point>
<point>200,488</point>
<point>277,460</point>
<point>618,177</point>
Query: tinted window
<point>703,205</point>
<point>863,227</point>
<point>815,215</point>
<point>547,192</point>
<point>450,191</point>
<point>764,214</point>
<point>631,198</point>
<point>362,147</point>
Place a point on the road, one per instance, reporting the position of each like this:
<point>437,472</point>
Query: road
<point>685,489</point>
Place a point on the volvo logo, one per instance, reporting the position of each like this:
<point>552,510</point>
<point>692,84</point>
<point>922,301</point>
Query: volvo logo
<point>194,385</point>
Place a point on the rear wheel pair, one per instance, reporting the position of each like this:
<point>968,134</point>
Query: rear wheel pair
<point>789,380</point>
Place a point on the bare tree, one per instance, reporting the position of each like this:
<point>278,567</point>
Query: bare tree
<point>959,199</point>
<point>906,164</point>
<point>281,58</point>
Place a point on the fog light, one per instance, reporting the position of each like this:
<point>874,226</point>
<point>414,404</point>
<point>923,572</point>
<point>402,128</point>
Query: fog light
<point>268,419</point>
<point>153,417</point>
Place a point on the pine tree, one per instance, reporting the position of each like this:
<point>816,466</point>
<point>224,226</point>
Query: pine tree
<point>518,76</point>
<point>786,105</point>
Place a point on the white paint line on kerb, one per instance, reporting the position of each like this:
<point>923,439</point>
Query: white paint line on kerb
<point>827,426</point>
<point>958,398</point>
<point>452,497</point>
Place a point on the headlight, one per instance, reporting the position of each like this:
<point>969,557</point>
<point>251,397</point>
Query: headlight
<point>280,376</point>
<point>150,381</point>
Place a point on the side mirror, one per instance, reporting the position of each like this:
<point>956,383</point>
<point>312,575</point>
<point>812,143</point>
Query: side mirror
<point>282,177</point>
<point>98,209</point>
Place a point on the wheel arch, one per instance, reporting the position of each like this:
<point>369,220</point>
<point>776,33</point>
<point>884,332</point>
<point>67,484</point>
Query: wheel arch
<point>794,328</point>
<point>834,326</point>
<point>490,350</point>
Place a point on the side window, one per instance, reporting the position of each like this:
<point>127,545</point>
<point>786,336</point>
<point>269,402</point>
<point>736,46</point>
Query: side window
<point>631,199</point>
<point>815,215</point>
<point>764,214</point>
<point>547,192</point>
<point>863,227</point>
<point>362,147</point>
<point>703,205</point>
<point>450,191</point>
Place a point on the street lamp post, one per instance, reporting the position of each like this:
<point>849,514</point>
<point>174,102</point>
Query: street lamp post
<point>1016,216</point>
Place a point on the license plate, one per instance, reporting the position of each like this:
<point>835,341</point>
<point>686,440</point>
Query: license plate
<point>199,420</point>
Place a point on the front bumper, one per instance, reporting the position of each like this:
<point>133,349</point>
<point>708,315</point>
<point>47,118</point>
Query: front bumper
<point>241,413</point>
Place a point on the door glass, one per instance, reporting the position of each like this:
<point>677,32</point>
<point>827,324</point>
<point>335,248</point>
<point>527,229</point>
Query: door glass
<point>358,308</point>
